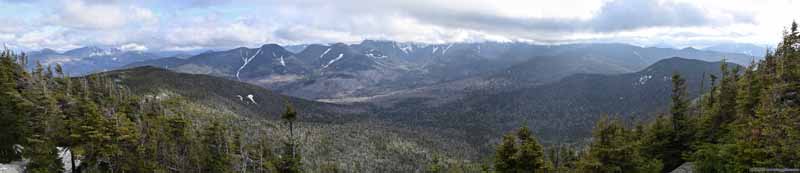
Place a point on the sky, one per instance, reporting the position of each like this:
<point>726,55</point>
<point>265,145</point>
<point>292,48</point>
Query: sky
<point>167,25</point>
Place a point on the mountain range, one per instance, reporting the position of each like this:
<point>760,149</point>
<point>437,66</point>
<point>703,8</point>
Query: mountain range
<point>86,60</point>
<point>357,72</point>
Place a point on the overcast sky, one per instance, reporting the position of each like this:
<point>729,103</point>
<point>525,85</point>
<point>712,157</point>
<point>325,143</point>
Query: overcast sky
<point>217,24</point>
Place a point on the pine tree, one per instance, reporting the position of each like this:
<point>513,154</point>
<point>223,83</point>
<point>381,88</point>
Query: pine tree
<point>39,146</point>
<point>290,160</point>
<point>520,154</point>
<point>530,155</point>
<point>614,149</point>
<point>679,138</point>
<point>10,116</point>
<point>504,155</point>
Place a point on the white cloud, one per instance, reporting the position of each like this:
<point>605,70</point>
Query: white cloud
<point>105,15</point>
<point>198,24</point>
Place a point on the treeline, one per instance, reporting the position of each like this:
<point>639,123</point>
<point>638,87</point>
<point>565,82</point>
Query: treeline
<point>91,124</point>
<point>750,118</point>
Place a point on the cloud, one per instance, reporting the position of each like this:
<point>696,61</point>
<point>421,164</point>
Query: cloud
<point>222,24</point>
<point>96,14</point>
<point>613,16</point>
<point>634,14</point>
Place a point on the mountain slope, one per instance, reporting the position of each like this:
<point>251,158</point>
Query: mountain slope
<point>225,94</point>
<point>566,108</point>
<point>329,133</point>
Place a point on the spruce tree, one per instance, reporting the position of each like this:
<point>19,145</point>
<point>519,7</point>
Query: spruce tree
<point>41,109</point>
<point>530,155</point>
<point>504,155</point>
<point>520,152</point>
<point>290,160</point>
<point>10,116</point>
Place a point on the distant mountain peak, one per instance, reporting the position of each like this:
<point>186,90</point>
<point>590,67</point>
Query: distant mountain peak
<point>690,48</point>
<point>271,46</point>
<point>48,51</point>
<point>675,60</point>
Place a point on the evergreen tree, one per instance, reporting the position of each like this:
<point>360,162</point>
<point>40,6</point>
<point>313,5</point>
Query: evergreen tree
<point>520,154</point>
<point>614,150</point>
<point>10,117</point>
<point>679,136</point>
<point>41,113</point>
<point>290,160</point>
<point>530,155</point>
<point>504,155</point>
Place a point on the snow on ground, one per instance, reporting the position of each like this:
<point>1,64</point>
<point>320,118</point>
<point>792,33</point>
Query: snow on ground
<point>17,166</point>
<point>447,48</point>
<point>65,156</point>
<point>637,54</point>
<point>333,61</point>
<point>246,61</point>
<point>643,79</point>
<point>252,98</point>
<point>324,53</point>
<point>376,57</point>
<point>13,167</point>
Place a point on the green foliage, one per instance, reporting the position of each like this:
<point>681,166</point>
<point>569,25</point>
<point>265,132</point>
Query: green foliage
<point>520,154</point>
<point>615,149</point>
<point>563,157</point>
<point>217,160</point>
<point>10,115</point>
<point>436,165</point>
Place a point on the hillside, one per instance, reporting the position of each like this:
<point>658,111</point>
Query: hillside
<point>226,94</point>
<point>565,109</point>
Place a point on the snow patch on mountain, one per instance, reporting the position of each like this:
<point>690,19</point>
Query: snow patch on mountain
<point>643,79</point>
<point>252,98</point>
<point>406,48</point>
<point>638,55</point>
<point>447,48</point>
<point>376,57</point>
<point>249,97</point>
<point>324,53</point>
<point>283,63</point>
<point>333,61</point>
<point>246,61</point>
